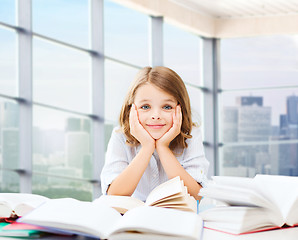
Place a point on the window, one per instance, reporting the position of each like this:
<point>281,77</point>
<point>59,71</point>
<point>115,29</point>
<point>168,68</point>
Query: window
<point>57,68</point>
<point>7,12</point>
<point>182,54</point>
<point>66,21</point>
<point>259,106</point>
<point>126,34</point>
<point>9,145</point>
<point>8,65</point>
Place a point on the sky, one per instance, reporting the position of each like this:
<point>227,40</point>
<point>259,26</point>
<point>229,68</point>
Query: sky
<point>246,64</point>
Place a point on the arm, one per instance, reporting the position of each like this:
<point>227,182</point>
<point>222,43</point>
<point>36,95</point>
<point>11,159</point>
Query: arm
<point>169,162</point>
<point>126,182</point>
<point>173,168</point>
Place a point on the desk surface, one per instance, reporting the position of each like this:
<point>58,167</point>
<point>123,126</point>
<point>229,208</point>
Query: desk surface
<point>281,234</point>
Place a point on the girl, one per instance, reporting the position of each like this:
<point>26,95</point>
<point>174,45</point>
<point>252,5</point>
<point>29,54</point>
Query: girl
<point>157,139</point>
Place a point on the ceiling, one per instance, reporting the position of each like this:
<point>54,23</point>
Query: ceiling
<point>225,18</point>
<point>241,8</point>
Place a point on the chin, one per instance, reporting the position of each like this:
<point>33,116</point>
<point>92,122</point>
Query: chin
<point>156,136</point>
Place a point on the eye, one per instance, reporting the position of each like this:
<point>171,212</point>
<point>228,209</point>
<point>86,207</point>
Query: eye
<point>145,107</point>
<point>167,107</point>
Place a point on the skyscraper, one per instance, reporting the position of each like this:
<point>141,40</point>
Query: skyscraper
<point>292,109</point>
<point>250,121</point>
<point>250,100</point>
<point>288,153</point>
<point>9,135</point>
<point>77,144</point>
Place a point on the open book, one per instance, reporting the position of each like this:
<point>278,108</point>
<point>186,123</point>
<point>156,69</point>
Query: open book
<point>17,204</point>
<point>170,194</point>
<point>251,204</point>
<point>96,220</point>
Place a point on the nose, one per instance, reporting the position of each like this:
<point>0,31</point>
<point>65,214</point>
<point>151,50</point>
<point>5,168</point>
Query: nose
<point>155,114</point>
<point>155,118</point>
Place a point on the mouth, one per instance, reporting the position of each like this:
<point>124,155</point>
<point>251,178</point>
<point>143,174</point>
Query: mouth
<point>155,126</point>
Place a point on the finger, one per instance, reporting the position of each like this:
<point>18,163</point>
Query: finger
<point>179,115</point>
<point>132,115</point>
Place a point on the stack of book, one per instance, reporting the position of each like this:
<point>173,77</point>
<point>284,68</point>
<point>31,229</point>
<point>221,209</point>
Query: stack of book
<point>247,205</point>
<point>169,213</point>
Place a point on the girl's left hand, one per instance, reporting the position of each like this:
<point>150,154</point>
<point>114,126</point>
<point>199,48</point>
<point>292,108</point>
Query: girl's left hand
<point>173,132</point>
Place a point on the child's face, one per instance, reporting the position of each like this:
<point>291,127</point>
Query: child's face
<point>155,109</point>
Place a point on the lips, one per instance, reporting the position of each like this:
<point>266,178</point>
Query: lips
<point>155,126</point>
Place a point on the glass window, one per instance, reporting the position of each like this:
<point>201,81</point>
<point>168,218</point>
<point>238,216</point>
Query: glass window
<point>61,76</point>
<point>249,160</point>
<point>182,53</point>
<point>7,12</point>
<point>259,106</point>
<point>195,96</point>
<point>259,115</point>
<point>259,62</point>
<point>126,34</point>
<point>9,181</point>
<point>118,78</point>
<point>9,134</point>
<point>8,62</point>
<point>61,144</point>
<point>64,20</point>
<point>59,187</point>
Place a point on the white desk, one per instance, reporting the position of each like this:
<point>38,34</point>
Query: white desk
<point>280,234</point>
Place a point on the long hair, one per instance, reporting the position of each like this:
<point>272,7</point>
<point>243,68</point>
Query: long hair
<point>169,81</point>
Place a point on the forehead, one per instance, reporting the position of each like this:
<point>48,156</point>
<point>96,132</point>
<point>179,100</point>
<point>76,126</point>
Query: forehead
<point>150,92</point>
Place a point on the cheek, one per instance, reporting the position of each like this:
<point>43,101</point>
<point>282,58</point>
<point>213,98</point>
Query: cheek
<point>169,118</point>
<point>142,118</point>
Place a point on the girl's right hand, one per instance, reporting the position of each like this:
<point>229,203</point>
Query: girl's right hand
<point>138,131</point>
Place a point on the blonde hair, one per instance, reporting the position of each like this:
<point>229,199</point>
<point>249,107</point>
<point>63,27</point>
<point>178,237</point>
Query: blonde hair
<point>170,82</point>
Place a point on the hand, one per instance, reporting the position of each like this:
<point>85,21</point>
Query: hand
<point>138,131</point>
<point>173,132</point>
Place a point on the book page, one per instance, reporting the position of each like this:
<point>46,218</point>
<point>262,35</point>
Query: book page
<point>121,203</point>
<point>281,190</point>
<point>292,217</point>
<point>21,203</point>
<point>169,188</point>
<point>72,216</point>
<point>5,209</point>
<point>160,221</point>
<point>239,182</point>
<point>232,195</point>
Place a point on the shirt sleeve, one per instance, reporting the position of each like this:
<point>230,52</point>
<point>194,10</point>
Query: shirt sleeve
<point>194,161</point>
<point>116,160</point>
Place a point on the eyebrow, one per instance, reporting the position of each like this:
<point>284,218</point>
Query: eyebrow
<point>165,100</point>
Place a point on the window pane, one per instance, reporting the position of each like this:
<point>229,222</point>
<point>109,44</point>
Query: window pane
<point>259,62</point>
<point>247,161</point>
<point>118,78</point>
<point>61,144</point>
<point>61,19</point>
<point>7,12</point>
<point>9,181</point>
<point>9,134</point>
<point>126,34</point>
<point>61,76</point>
<point>8,66</point>
<point>195,96</point>
<point>54,187</point>
<point>259,115</point>
<point>109,126</point>
<point>182,54</point>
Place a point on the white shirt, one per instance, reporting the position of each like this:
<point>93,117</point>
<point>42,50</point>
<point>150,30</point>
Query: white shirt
<point>119,155</point>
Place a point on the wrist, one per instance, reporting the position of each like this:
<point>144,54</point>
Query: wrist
<point>162,147</point>
<point>148,148</point>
